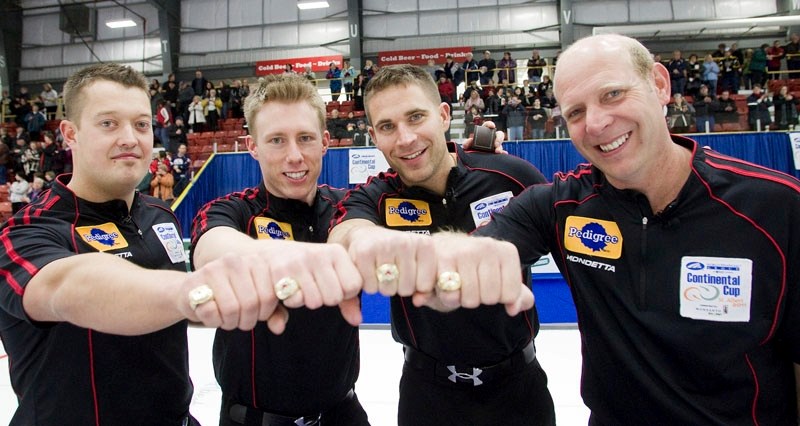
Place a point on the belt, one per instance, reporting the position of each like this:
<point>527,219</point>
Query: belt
<point>239,413</point>
<point>475,376</point>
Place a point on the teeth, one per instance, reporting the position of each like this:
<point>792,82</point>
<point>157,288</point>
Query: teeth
<point>614,145</point>
<point>295,175</point>
<point>413,156</point>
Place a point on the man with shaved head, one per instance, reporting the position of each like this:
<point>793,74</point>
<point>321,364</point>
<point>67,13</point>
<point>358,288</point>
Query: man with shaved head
<point>682,262</point>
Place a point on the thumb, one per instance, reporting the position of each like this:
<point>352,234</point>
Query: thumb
<point>524,302</point>
<point>277,321</point>
<point>351,311</point>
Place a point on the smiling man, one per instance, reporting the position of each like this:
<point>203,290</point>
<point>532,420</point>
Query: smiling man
<point>682,262</point>
<point>308,372</point>
<point>94,293</point>
<point>469,351</point>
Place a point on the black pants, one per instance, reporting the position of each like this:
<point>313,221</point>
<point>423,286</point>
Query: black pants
<point>520,399</point>
<point>347,413</point>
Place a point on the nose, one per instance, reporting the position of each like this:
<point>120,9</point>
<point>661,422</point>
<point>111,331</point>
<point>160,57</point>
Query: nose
<point>127,136</point>
<point>293,153</point>
<point>597,120</point>
<point>405,135</point>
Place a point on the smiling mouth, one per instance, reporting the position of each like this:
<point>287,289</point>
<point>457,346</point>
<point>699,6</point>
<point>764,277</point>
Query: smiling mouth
<point>414,155</point>
<point>296,175</point>
<point>616,144</point>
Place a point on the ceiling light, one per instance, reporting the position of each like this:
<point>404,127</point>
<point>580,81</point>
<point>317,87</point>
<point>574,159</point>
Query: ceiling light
<point>123,23</point>
<point>303,5</point>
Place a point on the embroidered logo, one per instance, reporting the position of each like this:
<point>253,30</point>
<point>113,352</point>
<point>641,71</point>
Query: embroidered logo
<point>271,228</point>
<point>105,237</point>
<point>594,237</point>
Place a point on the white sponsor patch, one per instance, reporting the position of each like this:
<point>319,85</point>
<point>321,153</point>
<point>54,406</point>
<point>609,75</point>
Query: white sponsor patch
<point>482,209</point>
<point>716,288</point>
<point>171,240</point>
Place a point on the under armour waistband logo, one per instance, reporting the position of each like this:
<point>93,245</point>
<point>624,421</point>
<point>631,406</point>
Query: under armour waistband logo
<point>464,376</point>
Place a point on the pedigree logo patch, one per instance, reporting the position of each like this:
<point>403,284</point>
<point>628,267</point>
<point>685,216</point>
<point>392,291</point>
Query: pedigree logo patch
<point>402,212</point>
<point>271,228</point>
<point>593,237</point>
<point>103,237</point>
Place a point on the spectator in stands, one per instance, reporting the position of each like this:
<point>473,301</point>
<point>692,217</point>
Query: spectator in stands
<point>710,73</point>
<point>470,67</point>
<point>162,184</point>
<point>537,117</point>
<point>775,54</point>
<point>208,89</point>
<point>335,76</point>
<point>31,158</point>
<point>785,109</point>
<point>18,192</point>
<point>236,99</point>
<point>530,96</point>
<point>475,101</point>
<point>472,117</point>
<point>472,87</point>
<point>736,52</point>
<point>447,92</point>
<point>36,189</point>
<point>5,159</point>
<point>545,86</point>
<point>726,112</point>
<point>5,104</point>
<point>161,158</point>
<point>199,83</point>
<point>729,72</point>
<point>515,118</point>
<point>17,160</point>
<point>694,75</point>
<point>758,65</point>
<point>705,106</point>
<point>177,133</point>
<point>21,108</point>
<point>308,73</point>
<point>487,66</point>
<point>49,98</point>
<point>162,123</point>
<point>170,93</point>
<point>185,97</point>
<point>336,125</point>
<point>34,122</point>
<point>720,52</point>
<point>358,92</point>
<point>212,107</point>
<point>348,76</point>
<point>536,65</point>
<point>747,76</point>
<point>361,136</point>
<point>49,154</point>
<point>21,133</point>
<point>493,103</point>
<point>224,94</point>
<point>792,54</point>
<point>288,69</point>
<point>453,71</point>
<point>369,69</point>
<point>677,72</point>
<point>6,138</point>
<point>680,114</point>
<point>49,177</point>
<point>155,85</point>
<point>197,118</point>
<point>181,164</point>
<point>508,70</point>
<point>758,104</point>
<point>549,99</point>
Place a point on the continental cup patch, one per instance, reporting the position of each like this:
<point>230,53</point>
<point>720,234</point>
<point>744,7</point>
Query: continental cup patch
<point>402,212</point>
<point>716,288</point>
<point>270,228</point>
<point>594,237</point>
<point>168,234</point>
<point>483,209</point>
<point>105,237</point>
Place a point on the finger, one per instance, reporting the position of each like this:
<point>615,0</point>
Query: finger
<point>488,272</point>
<point>208,314</point>
<point>423,299</point>
<point>365,263</point>
<point>524,302</point>
<point>470,286</point>
<point>224,297</point>
<point>326,281</point>
<point>351,311</point>
<point>510,271</point>
<point>348,274</point>
<point>425,280</point>
<point>277,321</point>
<point>246,294</point>
<point>387,286</point>
<point>259,273</point>
<point>490,124</point>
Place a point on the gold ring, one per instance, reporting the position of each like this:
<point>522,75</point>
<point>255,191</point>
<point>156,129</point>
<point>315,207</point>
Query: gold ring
<point>449,281</point>
<point>200,295</point>
<point>286,287</point>
<point>387,273</point>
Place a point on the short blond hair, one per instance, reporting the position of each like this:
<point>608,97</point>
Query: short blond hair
<point>401,75</point>
<point>78,82</point>
<point>282,88</point>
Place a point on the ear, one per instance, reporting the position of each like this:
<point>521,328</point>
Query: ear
<point>444,112</point>
<point>371,132</point>
<point>251,146</point>
<point>662,83</point>
<point>69,132</point>
<point>326,141</point>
